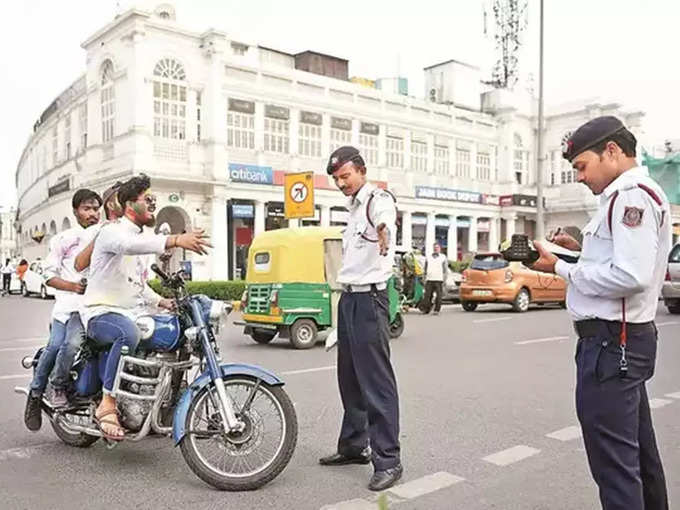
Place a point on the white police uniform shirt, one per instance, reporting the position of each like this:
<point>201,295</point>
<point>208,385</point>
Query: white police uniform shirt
<point>60,263</point>
<point>627,261</point>
<point>119,271</point>
<point>362,263</point>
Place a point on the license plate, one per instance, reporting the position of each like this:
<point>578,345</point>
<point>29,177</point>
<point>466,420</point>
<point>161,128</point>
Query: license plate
<point>482,293</point>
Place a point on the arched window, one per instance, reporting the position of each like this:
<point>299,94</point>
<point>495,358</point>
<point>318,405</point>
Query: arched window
<point>53,228</point>
<point>169,100</point>
<point>66,224</point>
<point>108,101</point>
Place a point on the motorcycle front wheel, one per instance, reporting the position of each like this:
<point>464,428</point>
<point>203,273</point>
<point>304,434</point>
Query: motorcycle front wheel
<point>249,459</point>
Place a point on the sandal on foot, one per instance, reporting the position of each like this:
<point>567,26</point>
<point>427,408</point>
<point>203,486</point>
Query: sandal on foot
<point>99,420</point>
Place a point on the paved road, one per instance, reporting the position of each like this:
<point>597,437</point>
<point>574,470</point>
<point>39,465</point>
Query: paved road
<point>488,422</point>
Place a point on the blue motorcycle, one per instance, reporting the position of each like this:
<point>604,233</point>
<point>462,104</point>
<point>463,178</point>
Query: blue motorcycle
<point>234,423</point>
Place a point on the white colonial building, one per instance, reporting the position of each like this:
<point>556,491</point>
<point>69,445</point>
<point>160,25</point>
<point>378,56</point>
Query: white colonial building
<point>217,122</point>
<point>8,236</point>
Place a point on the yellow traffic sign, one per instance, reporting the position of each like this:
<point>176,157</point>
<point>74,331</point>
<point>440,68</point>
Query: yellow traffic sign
<point>299,195</point>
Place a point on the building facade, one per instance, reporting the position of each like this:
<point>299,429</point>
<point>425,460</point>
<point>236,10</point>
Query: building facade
<point>8,236</point>
<point>216,123</point>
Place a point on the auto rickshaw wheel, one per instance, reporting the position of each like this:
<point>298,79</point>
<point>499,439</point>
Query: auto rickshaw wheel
<point>397,326</point>
<point>303,334</point>
<point>262,337</point>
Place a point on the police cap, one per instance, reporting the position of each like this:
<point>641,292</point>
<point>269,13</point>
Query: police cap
<point>590,134</point>
<point>341,156</point>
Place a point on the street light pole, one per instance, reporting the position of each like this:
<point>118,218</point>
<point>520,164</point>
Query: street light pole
<point>540,223</point>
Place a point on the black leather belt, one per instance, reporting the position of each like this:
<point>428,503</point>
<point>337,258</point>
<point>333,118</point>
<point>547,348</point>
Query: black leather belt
<point>601,327</point>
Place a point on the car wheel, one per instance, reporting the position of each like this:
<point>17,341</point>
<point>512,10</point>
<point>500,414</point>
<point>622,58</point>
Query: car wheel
<point>563,305</point>
<point>303,334</point>
<point>469,306</point>
<point>674,309</point>
<point>24,290</point>
<point>521,302</point>
<point>43,292</point>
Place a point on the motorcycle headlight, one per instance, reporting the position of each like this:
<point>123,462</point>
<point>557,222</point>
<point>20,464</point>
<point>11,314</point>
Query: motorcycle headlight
<point>218,314</point>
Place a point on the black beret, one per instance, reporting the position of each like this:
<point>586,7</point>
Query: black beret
<point>342,155</point>
<point>589,135</point>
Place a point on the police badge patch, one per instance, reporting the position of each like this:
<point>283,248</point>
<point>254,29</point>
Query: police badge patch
<point>632,216</point>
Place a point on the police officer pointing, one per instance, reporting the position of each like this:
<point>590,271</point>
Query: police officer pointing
<point>368,388</point>
<point>612,297</point>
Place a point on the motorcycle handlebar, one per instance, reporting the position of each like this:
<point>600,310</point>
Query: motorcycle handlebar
<point>159,272</point>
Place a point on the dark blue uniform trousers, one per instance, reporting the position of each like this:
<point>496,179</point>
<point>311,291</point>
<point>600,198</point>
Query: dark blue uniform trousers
<point>615,418</point>
<point>367,384</point>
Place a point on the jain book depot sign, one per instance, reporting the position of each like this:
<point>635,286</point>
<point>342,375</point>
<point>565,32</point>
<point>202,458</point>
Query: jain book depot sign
<point>251,174</point>
<point>448,194</point>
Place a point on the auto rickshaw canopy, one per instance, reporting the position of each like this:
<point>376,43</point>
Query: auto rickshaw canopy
<point>290,255</point>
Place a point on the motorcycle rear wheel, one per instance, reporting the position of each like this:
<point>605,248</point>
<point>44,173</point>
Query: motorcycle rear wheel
<point>79,439</point>
<point>204,426</point>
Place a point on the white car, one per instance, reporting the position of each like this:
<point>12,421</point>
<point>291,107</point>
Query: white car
<point>34,281</point>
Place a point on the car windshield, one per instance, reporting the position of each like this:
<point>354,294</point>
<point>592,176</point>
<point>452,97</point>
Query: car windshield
<point>488,262</point>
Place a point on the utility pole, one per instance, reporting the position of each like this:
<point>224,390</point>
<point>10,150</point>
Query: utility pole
<point>540,222</point>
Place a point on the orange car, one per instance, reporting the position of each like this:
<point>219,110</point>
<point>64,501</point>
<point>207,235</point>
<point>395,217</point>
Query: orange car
<point>491,279</point>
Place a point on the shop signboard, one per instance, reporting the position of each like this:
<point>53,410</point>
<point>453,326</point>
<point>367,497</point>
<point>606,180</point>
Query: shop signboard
<point>448,194</point>
<point>251,174</point>
<point>299,195</point>
<point>242,211</point>
<point>60,187</point>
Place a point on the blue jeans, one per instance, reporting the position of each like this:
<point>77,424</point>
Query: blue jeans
<point>115,330</point>
<point>48,356</point>
<point>75,336</point>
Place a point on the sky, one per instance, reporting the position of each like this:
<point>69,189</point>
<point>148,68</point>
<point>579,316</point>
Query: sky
<point>616,50</point>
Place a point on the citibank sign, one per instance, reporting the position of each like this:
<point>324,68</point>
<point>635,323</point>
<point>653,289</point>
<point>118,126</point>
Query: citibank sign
<point>251,174</point>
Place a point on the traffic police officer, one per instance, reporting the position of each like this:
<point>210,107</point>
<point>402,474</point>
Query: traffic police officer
<point>612,297</point>
<point>368,388</point>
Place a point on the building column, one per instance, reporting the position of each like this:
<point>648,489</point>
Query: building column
<point>452,239</point>
<point>325,214</point>
<point>493,234</point>
<point>406,230</point>
<point>472,235</point>
<point>510,226</point>
<point>260,213</point>
<point>218,238</point>
<point>429,233</point>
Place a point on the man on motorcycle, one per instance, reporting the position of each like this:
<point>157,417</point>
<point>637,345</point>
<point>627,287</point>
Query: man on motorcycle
<point>117,290</point>
<point>66,332</point>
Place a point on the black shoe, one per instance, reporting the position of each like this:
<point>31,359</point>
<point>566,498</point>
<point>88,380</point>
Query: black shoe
<point>339,459</point>
<point>33,412</point>
<point>59,398</point>
<point>382,480</point>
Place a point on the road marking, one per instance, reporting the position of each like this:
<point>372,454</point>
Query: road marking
<point>26,348</point>
<point>566,434</point>
<point>42,339</point>
<point>15,376</point>
<point>511,455</point>
<point>493,320</point>
<point>673,395</point>
<point>659,324</point>
<point>308,370</point>
<point>425,485</point>
<point>541,340</point>
<point>405,491</point>
<point>21,453</point>
<point>655,403</point>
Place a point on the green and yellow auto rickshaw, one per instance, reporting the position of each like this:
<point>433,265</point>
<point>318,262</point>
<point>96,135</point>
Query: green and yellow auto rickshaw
<point>291,287</point>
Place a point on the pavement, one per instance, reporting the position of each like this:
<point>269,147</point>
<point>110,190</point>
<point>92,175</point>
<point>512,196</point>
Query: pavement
<point>487,410</point>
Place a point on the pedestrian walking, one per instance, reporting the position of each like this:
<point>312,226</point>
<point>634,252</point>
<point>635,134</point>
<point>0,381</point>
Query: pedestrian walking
<point>612,297</point>
<point>368,387</point>
<point>6,270</point>
<point>436,268</point>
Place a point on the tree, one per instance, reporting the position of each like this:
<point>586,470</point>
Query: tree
<point>511,21</point>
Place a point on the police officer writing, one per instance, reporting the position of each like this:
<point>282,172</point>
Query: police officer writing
<point>368,387</point>
<point>612,297</point>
